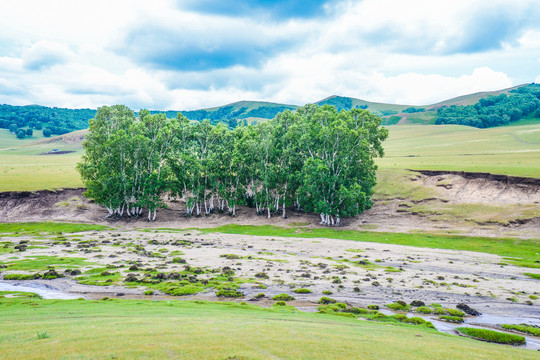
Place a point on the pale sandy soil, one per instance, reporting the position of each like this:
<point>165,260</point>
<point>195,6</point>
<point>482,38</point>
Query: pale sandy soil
<point>433,276</point>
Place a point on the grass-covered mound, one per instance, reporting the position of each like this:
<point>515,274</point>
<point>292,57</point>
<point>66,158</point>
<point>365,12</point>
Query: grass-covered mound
<point>492,336</point>
<point>135,329</point>
<point>527,329</point>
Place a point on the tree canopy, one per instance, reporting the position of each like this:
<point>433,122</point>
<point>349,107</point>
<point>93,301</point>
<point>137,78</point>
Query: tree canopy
<point>315,159</point>
<point>494,110</point>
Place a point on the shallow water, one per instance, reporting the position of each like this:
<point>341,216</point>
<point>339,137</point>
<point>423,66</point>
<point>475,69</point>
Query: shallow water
<point>44,290</point>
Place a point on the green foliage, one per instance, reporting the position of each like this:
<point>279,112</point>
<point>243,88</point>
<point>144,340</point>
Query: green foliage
<point>56,121</point>
<point>398,306</point>
<point>302,291</point>
<point>424,310</point>
<point>42,335</point>
<point>413,110</point>
<point>492,336</point>
<point>527,329</point>
<point>494,110</point>
<point>451,319</point>
<point>283,297</point>
<point>149,292</point>
<point>326,300</point>
<point>316,159</point>
<point>230,293</point>
<point>455,312</point>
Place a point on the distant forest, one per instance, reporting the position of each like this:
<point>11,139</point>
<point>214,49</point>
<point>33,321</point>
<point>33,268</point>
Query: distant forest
<point>494,110</point>
<point>22,120</point>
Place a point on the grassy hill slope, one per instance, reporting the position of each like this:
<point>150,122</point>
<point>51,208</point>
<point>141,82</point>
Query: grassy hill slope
<point>131,329</point>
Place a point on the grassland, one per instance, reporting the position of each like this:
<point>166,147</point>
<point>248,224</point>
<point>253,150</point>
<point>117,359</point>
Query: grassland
<point>127,329</point>
<point>509,150</point>
<point>47,227</point>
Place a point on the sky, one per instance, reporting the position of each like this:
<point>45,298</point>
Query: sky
<point>192,54</point>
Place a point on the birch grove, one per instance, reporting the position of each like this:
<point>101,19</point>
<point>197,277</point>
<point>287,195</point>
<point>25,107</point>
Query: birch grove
<point>314,159</point>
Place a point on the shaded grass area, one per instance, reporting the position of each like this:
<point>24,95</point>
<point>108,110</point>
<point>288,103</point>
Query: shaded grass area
<point>131,329</point>
<point>523,252</point>
<point>36,228</point>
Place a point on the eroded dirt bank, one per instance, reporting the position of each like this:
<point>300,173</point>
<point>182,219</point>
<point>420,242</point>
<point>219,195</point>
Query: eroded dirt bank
<point>458,203</point>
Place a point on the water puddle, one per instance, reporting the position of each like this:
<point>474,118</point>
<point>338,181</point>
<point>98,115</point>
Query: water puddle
<point>44,290</point>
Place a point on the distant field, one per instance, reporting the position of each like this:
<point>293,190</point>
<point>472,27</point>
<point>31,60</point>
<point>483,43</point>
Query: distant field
<point>22,168</point>
<point>509,150</point>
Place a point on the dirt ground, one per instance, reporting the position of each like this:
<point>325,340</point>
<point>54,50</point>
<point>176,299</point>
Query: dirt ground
<point>389,215</point>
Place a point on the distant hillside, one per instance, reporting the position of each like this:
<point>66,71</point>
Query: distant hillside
<point>22,120</point>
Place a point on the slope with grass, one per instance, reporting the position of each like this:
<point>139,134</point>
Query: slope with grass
<point>125,329</point>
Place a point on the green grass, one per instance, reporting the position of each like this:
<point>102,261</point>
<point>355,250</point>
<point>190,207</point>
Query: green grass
<point>41,262</point>
<point>201,330</point>
<point>522,251</point>
<point>492,336</point>
<point>533,275</point>
<point>527,329</point>
<point>36,228</point>
<point>508,150</point>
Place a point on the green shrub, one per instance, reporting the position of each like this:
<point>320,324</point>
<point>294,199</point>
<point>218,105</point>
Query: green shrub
<point>435,305</point>
<point>259,296</point>
<point>533,297</point>
<point>302,291</point>
<point>42,335</point>
<point>451,319</point>
<point>524,328</point>
<point>21,276</point>
<point>424,310</point>
<point>149,292</point>
<point>492,336</point>
<point>230,293</point>
<point>439,311</point>
<point>373,307</point>
<point>415,320</point>
<point>326,300</point>
<point>280,303</point>
<point>327,292</point>
<point>283,297</point>
<point>397,306</point>
<point>178,260</point>
<point>455,312</point>
<point>356,310</point>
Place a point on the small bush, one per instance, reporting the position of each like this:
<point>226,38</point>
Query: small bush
<point>327,292</point>
<point>283,297</point>
<point>373,307</point>
<point>451,319</point>
<point>230,293</point>
<point>178,260</point>
<point>424,310</point>
<point>533,297</point>
<point>439,311</point>
<point>523,328</point>
<point>455,312</point>
<point>149,292</point>
<point>492,336</point>
<point>231,256</point>
<point>326,300</point>
<point>262,275</point>
<point>397,306</point>
<point>42,335</point>
<point>302,291</point>
<point>259,296</point>
<point>280,303</point>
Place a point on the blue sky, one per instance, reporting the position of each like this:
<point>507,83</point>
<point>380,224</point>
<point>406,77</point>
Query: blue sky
<point>190,54</point>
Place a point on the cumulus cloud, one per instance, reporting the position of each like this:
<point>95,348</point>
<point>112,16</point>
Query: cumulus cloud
<point>45,54</point>
<point>192,54</point>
